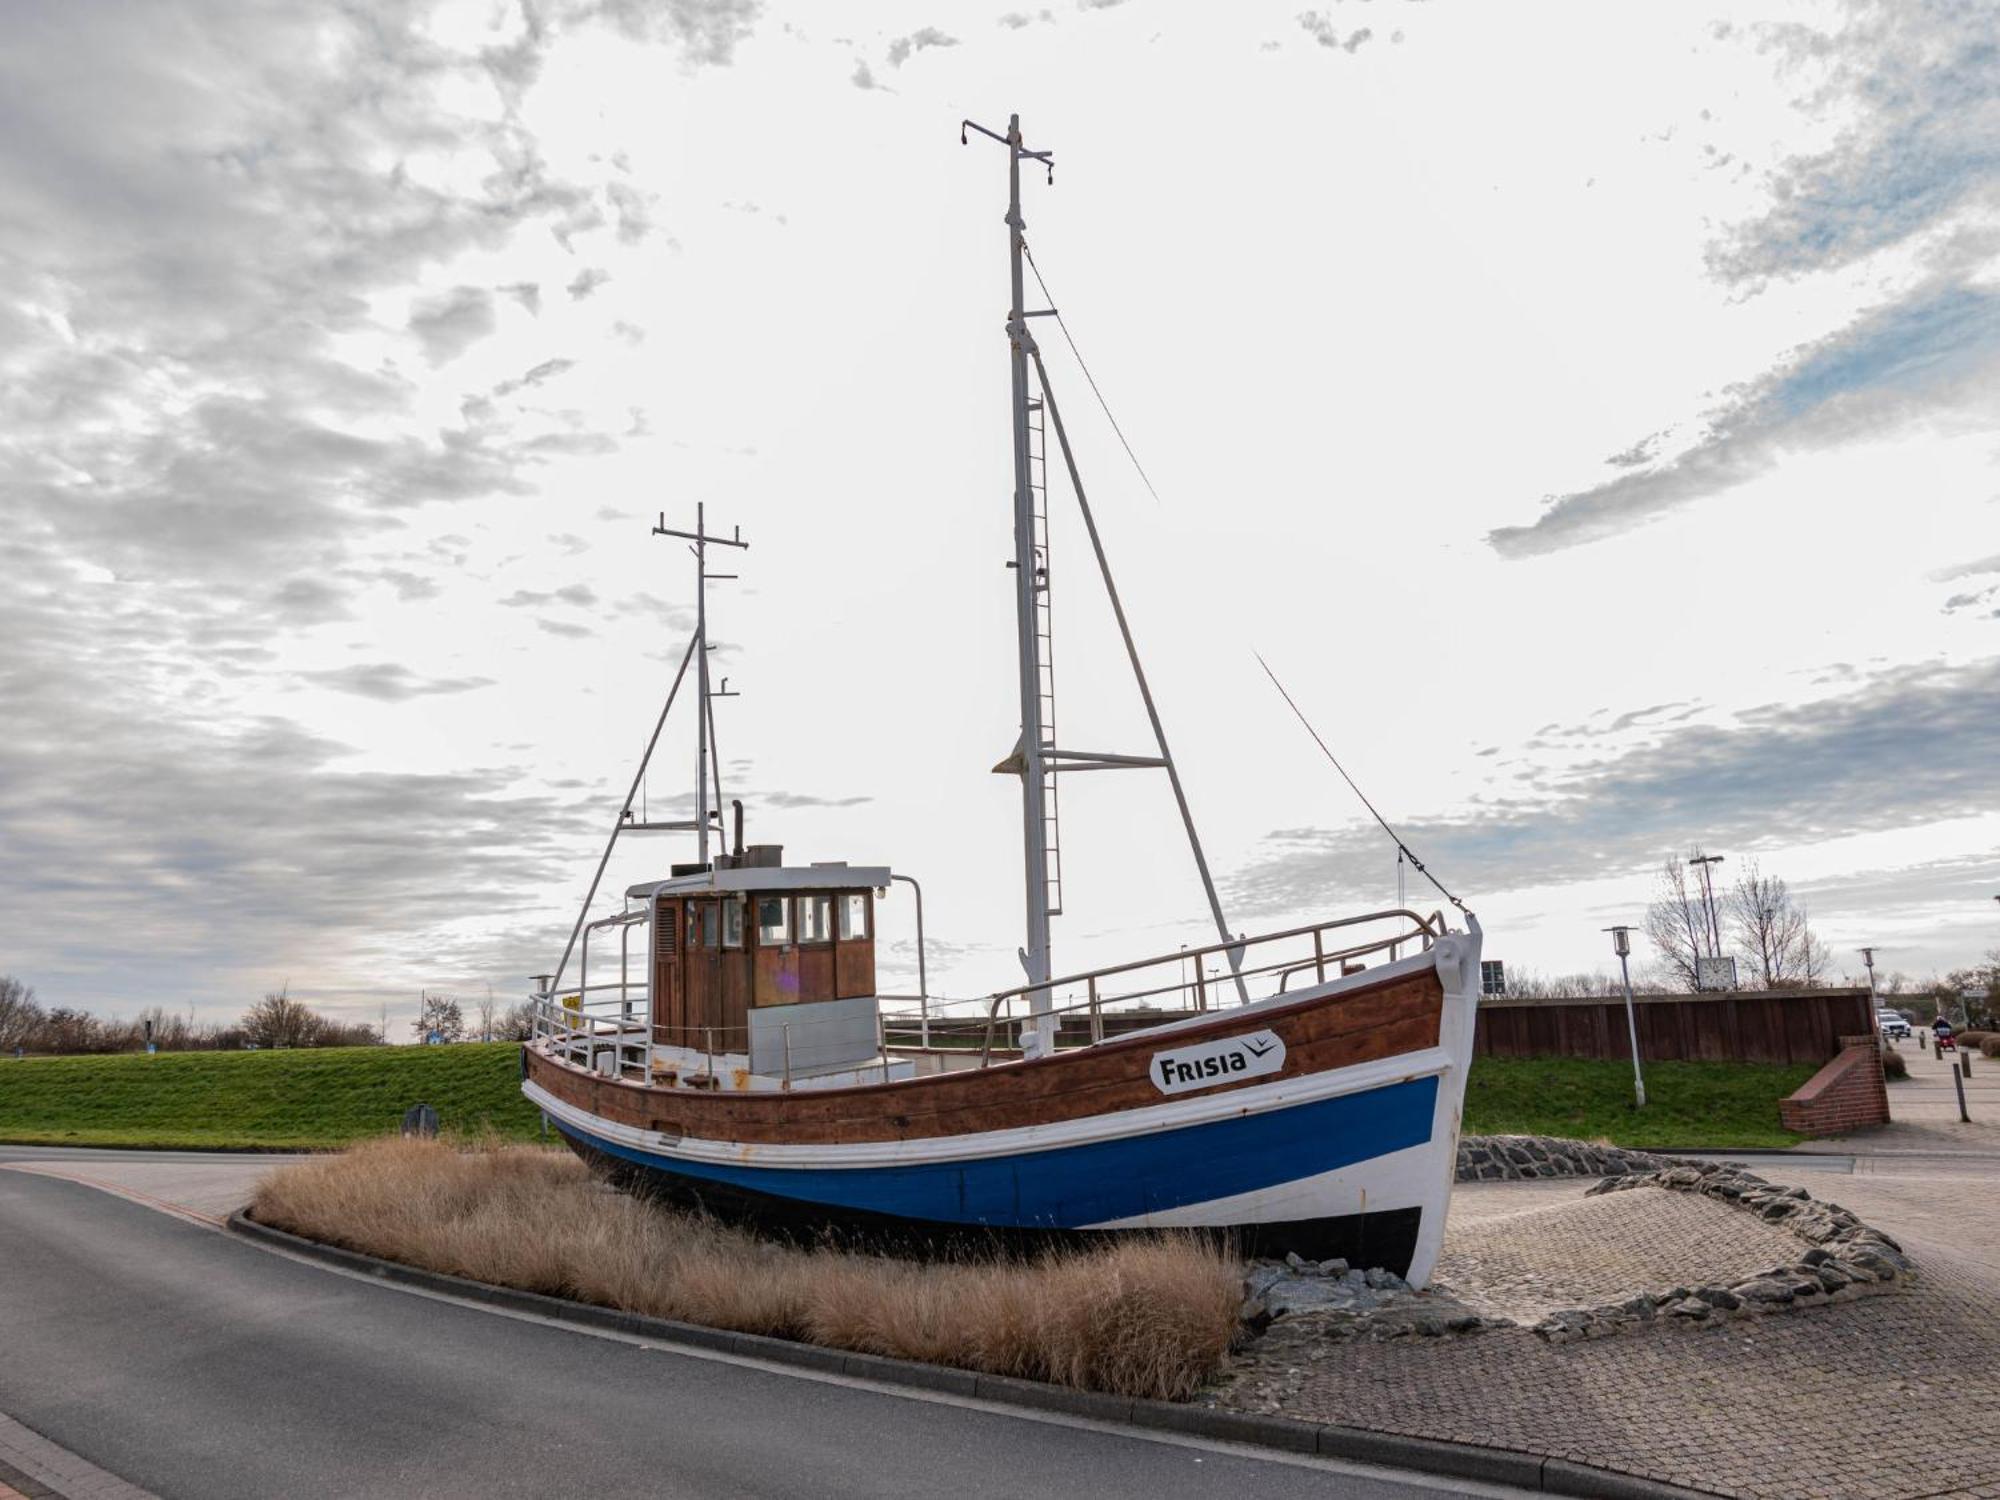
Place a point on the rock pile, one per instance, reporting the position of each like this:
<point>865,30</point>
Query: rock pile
<point>1846,1259</point>
<point>1507,1158</point>
<point>1346,1304</point>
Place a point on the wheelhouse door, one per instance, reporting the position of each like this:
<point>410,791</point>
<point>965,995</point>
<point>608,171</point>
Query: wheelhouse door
<point>669,1007</point>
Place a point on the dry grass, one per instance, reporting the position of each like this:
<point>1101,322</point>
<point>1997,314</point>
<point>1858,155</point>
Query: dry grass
<point>1139,1317</point>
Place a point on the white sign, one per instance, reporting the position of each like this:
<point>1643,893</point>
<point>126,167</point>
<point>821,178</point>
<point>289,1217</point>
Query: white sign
<point>1206,1064</point>
<point>1715,973</point>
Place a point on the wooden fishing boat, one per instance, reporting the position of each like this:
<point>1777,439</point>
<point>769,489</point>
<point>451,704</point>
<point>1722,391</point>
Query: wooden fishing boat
<point>1296,1090</point>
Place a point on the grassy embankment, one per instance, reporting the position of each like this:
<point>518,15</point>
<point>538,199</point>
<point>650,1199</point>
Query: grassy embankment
<point>313,1097</point>
<point>330,1097</point>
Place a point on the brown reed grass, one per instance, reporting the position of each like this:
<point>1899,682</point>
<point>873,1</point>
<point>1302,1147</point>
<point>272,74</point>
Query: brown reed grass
<point>1144,1316</point>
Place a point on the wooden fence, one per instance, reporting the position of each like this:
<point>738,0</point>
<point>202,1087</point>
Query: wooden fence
<point>1774,1026</point>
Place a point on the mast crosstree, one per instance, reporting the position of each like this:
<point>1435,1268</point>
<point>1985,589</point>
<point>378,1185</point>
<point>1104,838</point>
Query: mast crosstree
<point>1037,759</point>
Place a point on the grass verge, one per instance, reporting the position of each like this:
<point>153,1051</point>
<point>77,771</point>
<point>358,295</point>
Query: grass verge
<point>1143,1317</point>
<point>1687,1103</point>
<point>311,1097</point>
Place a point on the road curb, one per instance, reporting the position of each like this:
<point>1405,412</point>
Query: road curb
<point>1531,1471</point>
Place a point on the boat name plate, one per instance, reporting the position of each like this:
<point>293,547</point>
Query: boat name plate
<point>1181,1070</point>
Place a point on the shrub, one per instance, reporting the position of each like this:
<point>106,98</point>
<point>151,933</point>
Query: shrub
<point>1148,1316</point>
<point>1893,1064</point>
<point>1976,1038</point>
<point>1990,1047</point>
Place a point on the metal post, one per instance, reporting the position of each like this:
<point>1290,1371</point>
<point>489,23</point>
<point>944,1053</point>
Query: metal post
<point>1096,1017</point>
<point>1958,1082</point>
<point>785,1035</point>
<point>923,980</point>
<point>1621,943</point>
<point>701,682</point>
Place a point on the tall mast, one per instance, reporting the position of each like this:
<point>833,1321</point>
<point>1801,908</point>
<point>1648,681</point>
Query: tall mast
<point>1029,576</point>
<point>705,708</point>
<point>1038,759</point>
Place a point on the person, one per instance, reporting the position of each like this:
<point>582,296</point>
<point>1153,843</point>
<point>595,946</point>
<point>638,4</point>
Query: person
<point>1943,1029</point>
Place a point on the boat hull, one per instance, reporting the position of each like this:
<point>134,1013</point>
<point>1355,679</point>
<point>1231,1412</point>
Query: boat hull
<point>1347,1149</point>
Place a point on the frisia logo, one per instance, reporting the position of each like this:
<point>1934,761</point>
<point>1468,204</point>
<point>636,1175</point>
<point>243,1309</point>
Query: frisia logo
<point>1201,1067</point>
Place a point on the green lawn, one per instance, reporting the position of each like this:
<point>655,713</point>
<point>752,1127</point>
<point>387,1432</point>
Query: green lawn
<point>304,1098</point>
<point>1687,1103</point>
<point>328,1097</point>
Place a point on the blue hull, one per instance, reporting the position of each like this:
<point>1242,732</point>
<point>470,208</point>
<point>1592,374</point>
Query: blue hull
<point>1073,1189</point>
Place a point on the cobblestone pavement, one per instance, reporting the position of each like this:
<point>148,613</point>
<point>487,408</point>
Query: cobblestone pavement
<point>1611,1247</point>
<point>1863,1400</point>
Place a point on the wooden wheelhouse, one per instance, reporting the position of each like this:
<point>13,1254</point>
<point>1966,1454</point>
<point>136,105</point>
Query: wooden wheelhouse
<point>732,947</point>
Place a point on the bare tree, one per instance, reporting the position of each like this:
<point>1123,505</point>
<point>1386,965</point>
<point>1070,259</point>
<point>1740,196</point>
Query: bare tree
<point>440,1014</point>
<point>280,1021</point>
<point>485,1010</point>
<point>1677,925</point>
<point>517,1023</point>
<point>20,1016</point>
<point>1772,932</point>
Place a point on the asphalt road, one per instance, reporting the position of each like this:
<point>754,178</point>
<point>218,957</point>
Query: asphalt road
<point>195,1364</point>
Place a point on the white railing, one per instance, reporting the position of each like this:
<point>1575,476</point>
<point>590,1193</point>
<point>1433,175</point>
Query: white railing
<point>1253,968</point>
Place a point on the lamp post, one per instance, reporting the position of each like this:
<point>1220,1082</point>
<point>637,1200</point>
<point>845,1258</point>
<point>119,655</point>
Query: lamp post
<point>1621,944</point>
<point>1874,1001</point>
<point>1708,862</point>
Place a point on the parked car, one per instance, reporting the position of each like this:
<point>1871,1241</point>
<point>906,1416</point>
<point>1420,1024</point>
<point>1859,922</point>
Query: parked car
<point>1892,1024</point>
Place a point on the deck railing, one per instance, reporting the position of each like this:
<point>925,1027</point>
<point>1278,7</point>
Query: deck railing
<point>588,1023</point>
<point>1253,968</point>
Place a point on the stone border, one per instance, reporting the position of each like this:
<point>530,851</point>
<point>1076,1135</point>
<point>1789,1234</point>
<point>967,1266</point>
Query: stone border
<point>1848,1259</point>
<point>1516,1158</point>
<point>1531,1471</point>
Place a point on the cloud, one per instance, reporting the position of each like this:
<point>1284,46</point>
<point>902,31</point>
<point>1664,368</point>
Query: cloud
<point>579,594</point>
<point>1915,164</point>
<point>1322,30</point>
<point>863,76</point>
<point>917,41</point>
<point>1915,81</point>
<point>787,800</point>
<point>451,323</point>
<point>709,30</point>
<point>565,629</point>
<point>392,682</point>
<point>1912,746</point>
<point>1932,353</point>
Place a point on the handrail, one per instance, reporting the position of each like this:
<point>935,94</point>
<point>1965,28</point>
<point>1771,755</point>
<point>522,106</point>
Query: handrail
<point>1093,1001</point>
<point>1423,925</point>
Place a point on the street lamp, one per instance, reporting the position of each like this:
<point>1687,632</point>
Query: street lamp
<point>1708,862</point>
<point>1621,944</point>
<point>1874,1001</point>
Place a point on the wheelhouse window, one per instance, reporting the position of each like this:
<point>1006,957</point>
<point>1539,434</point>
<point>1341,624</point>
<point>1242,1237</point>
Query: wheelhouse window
<point>732,922</point>
<point>815,919</point>
<point>774,921</point>
<point>853,915</point>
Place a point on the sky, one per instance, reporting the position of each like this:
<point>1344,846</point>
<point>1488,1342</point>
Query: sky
<point>1589,412</point>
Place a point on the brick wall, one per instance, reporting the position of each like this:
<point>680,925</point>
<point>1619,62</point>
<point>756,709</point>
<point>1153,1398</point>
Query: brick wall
<point>1847,1094</point>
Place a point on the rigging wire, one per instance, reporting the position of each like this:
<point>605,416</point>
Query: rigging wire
<point>1049,297</point>
<point>1401,848</point>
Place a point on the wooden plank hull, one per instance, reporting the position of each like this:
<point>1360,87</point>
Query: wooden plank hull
<point>1324,1123</point>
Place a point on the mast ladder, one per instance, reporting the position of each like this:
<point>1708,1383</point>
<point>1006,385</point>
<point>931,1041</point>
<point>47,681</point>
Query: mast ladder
<point>1045,682</point>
